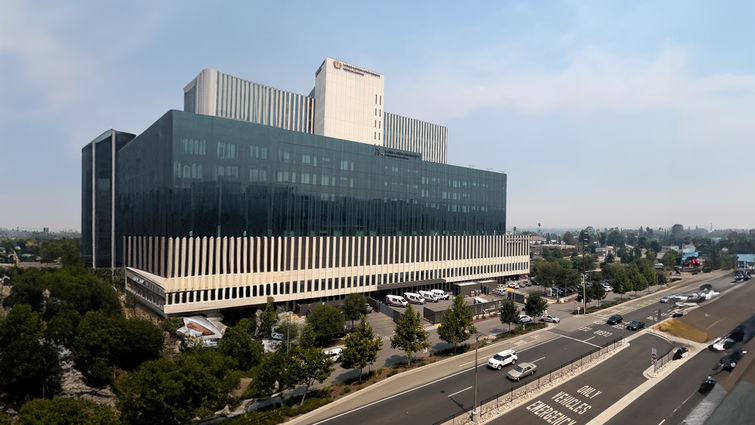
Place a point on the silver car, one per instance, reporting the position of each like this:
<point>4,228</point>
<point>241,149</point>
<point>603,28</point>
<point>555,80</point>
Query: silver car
<point>522,370</point>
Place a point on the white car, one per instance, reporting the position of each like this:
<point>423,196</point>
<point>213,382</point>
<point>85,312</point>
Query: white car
<point>523,318</point>
<point>499,360</point>
<point>514,285</point>
<point>441,294</point>
<point>549,318</point>
<point>721,343</point>
<point>499,291</point>
<point>334,353</point>
<point>274,334</point>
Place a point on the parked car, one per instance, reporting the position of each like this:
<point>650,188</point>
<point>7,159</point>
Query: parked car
<point>677,314</point>
<point>414,298</point>
<point>513,285</point>
<point>334,353</point>
<point>274,334</point>
<point>441,294</point>
<point>680,352</point>
<point>635,325</point>
<point>429,296</point>
<point>549,318</point>
<point>523,318</point>
<point>395,300</point>
<point>522,370</point>
<point>501,359</point>
<point>501,292</point>
<point>615,319</point>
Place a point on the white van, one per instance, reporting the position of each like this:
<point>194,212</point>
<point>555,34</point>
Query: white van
<point>429,296</point>
<point>441,294</point>
<point>414,298</point>
<point>395,300</point>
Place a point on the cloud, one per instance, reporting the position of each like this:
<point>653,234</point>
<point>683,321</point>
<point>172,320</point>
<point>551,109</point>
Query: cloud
<point>594,81</point>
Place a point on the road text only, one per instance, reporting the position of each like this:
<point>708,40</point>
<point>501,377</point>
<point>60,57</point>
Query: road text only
<point>576,405</point>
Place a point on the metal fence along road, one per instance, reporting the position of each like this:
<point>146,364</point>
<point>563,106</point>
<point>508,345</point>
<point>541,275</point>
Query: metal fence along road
<point>502,402</point>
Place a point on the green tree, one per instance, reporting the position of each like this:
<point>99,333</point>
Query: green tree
<point>621,283</point>
<point>277,372</point>
<point>596,291</point>
<point>638,280</point>
<point>238,344</point>
<point>610,258</point>
<point>670,258</point>
<point>61,328</point>
<point>310,365</point>
<point>361,348</point>
<point>457,324</point>
<point>28,365</point>
<point>268,318</point>
<point>354,306</point>
<point>409,335</point>
<point>289,330</point>
<point>569,238</point>
<point>66,411</point>
<point>325,321</point>
<point>163,391</point>
<point>307,338</point>
<point>535,305</point>
<point>509,313</point>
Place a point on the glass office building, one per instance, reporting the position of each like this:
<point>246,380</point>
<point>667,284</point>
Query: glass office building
<point>98,196</point>
<point>197,175</point>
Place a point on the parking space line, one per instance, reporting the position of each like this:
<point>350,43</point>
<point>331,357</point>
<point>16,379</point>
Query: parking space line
<point>535,361</point>
<point>460,391</point>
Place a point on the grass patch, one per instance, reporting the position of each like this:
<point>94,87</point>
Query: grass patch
<point>521,330</point>
<point>678,328</point>
<point>594,308</point>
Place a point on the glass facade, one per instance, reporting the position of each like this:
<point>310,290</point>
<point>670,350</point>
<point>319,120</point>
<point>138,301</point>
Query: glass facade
<point>198,175</point>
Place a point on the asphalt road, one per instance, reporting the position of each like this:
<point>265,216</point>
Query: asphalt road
<point>453,394</point>
<point>585,396</point>
<point>671,400</point>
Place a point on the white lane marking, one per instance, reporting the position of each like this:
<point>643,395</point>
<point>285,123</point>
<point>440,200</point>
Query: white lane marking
<point>588,343</point>
<point>460,391</point>
<point>589,338</point>
<point>416,388</point>
<point>661,422</point>
<point>535,361</point>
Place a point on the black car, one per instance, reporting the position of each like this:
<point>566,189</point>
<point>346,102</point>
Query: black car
<point>707,385</point>
<point>635,325</point>
<point>680,352</point>
<point>730,362</point>
<point>615,319</point>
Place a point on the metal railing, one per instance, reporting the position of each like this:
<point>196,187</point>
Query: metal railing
<point>502,401</point>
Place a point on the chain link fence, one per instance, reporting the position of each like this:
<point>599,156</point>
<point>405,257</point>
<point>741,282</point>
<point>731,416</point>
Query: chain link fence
<point>503,401</point>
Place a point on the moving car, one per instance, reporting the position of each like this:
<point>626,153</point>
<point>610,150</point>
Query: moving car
<point>635,325</point>
<point>522,370</point>
<point>707,385</point>
<point>721,343</point>
<point>730,362</point>
<point>549,318</point>
<point>501,359</point>
<point>665,299</point>
<point>523,318</point>
<point>615,319</point>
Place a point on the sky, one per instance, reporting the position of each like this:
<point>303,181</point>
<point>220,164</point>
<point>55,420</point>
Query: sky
<point>602,113</point>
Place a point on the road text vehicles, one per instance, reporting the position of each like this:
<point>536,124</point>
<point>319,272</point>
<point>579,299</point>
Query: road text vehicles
<point>522,370</point>
<point>501,359</point>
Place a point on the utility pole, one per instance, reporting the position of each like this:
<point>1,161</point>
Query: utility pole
<point>474,406</point>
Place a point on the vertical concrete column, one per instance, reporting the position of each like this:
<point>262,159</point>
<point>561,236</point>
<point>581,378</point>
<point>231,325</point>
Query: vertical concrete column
<point>169,259</point>
<point>211,256</point>
<point>278,244</point>
<point>245,255</point>
<point>223,254</point>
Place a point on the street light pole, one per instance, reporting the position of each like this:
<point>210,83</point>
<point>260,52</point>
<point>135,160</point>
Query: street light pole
<point>474,406</point>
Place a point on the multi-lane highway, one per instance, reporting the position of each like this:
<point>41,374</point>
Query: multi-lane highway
<point>453,392</point>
